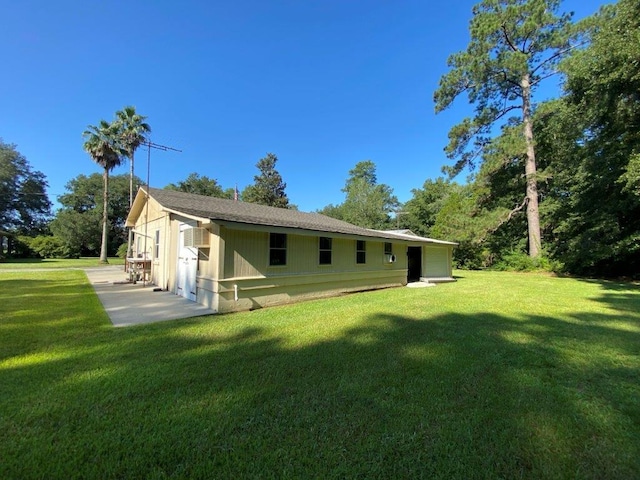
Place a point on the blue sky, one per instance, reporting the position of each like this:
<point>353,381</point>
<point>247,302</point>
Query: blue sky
<point>322,84</point>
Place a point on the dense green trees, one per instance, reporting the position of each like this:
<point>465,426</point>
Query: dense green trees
<point>421,211</point>
<point>201,185</point>
<point>514,45</point>
<point>24,205</point>
<point>598,225</point>
<point>78,224</point>
<point>587,144</point>
<point>367,203</point>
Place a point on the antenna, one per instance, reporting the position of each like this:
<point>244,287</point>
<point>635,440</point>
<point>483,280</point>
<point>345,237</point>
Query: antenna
<point>149,144</point>
<point>398,213</point>
<point>163,148</point>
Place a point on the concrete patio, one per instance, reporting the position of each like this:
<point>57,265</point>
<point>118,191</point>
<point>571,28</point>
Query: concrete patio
<point>128,304</point>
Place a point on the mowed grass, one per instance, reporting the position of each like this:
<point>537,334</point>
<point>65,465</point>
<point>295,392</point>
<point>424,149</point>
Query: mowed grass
<point>496,376</point>
<point>39,263</point>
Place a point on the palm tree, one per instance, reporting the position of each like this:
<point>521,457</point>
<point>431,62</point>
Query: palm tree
<point>101,145</point>
<point>132,132</point>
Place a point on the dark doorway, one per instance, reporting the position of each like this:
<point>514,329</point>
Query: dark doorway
<point>414,264</point>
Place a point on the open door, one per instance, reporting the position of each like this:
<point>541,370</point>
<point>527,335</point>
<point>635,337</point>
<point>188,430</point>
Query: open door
<point>414,264</point>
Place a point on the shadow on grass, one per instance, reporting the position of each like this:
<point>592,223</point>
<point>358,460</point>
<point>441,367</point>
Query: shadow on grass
<point>621,296</point>
<point>613,284</point>
<point>391,396</point>
<point>10,261</point>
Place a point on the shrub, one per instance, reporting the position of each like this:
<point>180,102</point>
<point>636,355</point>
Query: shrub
<point>48,246</point>
<point>470,256</point>
<point>21,247</point>
<point>521,262</point>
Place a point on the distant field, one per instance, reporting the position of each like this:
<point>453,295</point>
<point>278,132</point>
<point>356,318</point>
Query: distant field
<point>83,262</point>
<point>499,375</point>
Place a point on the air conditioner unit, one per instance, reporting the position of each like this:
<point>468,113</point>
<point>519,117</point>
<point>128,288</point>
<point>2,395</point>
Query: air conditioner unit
<point>389,258</point>
<point>196,237</point>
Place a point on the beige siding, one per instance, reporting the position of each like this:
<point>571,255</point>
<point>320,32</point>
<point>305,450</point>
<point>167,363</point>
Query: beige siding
<point>256,284</point>
<point>302,256</point>
<point>246,253</point>
<point>436,261</point>
<point>262,292</point>
<point>206,264</point>
<point>172,261</point>
<point>153,219</point>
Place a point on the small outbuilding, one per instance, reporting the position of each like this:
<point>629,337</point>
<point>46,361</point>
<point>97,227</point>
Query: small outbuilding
<point>231,255</point>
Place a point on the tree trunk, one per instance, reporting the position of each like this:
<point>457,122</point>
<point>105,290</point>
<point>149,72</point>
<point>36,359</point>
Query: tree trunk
<point>105,217</point>
<point>533,214</point>
<point>131,179</point>
<point>130,238</point>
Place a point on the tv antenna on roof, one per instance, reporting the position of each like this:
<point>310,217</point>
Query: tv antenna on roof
<point>149,144</point>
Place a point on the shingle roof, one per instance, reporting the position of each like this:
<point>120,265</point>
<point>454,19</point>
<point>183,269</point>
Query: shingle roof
<point>249,213</point>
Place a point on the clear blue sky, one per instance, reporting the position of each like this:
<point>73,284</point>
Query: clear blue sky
<point>322,84</point>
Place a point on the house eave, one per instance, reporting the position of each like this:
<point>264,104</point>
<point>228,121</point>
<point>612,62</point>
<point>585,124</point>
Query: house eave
<point>137,207</point>
<point>379,235</point>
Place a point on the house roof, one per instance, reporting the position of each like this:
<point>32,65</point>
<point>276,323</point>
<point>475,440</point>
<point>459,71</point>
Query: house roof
<point>220,209</point>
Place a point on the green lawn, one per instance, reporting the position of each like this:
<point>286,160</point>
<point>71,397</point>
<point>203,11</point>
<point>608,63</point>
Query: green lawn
<point>31,263</point>
<point>499,375</point>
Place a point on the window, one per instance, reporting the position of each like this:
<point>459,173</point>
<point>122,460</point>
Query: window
<point>156,251</point>
<point>277,249</point>
<point>324,248</point>
<point>388,248</point>
<point>361,251</point>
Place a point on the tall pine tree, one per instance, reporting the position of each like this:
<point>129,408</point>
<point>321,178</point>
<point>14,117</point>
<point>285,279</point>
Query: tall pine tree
<point>268,188</point>
<point>515,44</point>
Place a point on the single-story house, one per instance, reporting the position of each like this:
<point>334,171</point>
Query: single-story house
<point>231,255</point>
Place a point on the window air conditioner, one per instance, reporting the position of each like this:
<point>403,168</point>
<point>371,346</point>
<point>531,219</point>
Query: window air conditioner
<point>196,237</point>
<point>389,258</point>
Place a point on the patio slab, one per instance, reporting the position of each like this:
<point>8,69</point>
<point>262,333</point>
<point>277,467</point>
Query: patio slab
<point>128,304</point>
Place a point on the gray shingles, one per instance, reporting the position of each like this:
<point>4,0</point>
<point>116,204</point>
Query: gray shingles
<point>249,213</point>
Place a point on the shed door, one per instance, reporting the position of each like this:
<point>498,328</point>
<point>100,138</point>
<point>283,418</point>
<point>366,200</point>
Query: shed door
<point>187,267</point>
<point>414,264</point>
<point>437,262</point>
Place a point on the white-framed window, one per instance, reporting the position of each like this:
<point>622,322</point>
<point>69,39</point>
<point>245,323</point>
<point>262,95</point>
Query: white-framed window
<point>156,249</point>
<point>388,248</point>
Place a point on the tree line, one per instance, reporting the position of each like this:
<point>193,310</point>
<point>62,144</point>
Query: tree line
<point>576,155</point>
<point>552,184</point>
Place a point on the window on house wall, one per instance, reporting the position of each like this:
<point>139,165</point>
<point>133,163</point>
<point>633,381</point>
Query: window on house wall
<point>388,248</point>
<point>277,249</point>
<point>324,247</point>
<point>156,250</point>
<point>361,251</point>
